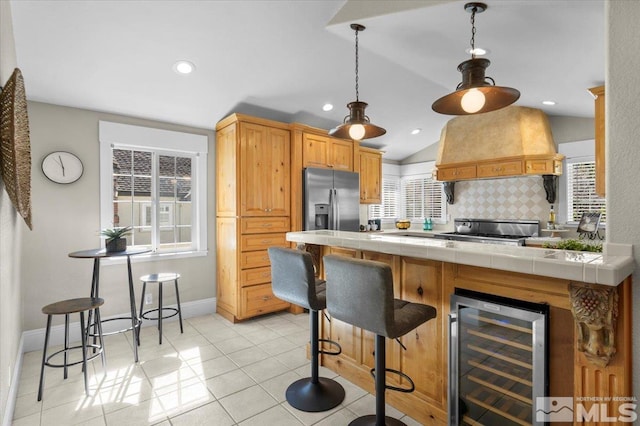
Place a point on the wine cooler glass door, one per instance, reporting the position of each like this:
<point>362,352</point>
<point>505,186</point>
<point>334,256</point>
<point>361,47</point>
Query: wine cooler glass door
<point>498,364</point>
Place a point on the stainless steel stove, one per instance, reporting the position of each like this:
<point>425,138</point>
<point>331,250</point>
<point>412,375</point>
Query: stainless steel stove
<point>500,231</point>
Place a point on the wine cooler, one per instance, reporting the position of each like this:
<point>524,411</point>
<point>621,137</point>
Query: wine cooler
<point>497,359</point>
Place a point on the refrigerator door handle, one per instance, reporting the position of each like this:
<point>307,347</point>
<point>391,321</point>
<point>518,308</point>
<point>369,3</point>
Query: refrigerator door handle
<point>336,207</point>
<point>332,213</point>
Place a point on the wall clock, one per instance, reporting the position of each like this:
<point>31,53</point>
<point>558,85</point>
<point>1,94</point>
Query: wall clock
<point>62,167</point>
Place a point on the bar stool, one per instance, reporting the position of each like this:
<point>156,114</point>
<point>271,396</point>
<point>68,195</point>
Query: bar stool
<point>293,280</point>
<point>161,279</point>
<point>67,307</point>
<point>360,292</point>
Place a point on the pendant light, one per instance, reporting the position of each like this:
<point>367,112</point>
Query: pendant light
<point>356,125</point>
<point>476,93</point>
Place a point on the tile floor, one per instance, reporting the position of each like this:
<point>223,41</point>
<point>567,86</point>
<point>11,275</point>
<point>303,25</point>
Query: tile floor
<point>216,373</point>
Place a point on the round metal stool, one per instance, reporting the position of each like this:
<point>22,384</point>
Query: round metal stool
<point>67,307</point>
<point>160,279</point>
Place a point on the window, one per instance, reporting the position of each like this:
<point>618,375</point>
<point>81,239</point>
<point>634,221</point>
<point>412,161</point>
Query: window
<point>581,191</point>
<point>577,189</point>
<point>422,197</point>
<point>154,181</point>
<point>410,192</point>
<point>390,207</point>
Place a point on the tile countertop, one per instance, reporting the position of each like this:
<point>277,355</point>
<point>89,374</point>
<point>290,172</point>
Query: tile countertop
<point>571,265</point>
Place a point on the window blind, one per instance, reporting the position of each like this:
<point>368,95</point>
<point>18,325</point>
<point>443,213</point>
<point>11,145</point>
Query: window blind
<point>581,192</point>
<point>390,207</point>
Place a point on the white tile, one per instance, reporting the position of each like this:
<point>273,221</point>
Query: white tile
<point>234,345</point>
<point>247,403</point>
<point>145,413</point>
<point>213,367</point>
<point>278,385</point>
<point>248,356</point>
<point>339,418</point>
<point>206,415</point>
<point>185,398</point>
<point>265,369</point>
<point>367,405</point>
<point>228,383</point>
<point>273,416</point>
<point>277,346</point>
<point>71,413</point>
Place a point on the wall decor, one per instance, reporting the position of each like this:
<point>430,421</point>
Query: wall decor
<point>15,148</point>
<point>62,167</point>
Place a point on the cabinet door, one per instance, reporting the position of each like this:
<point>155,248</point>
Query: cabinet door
<point>370,177</point>
<point>341,155</point>
<point>265,155</point>
<point>424,359</point>
<point>456,173</point>
<point>315,150</point>
<point>505,168</point>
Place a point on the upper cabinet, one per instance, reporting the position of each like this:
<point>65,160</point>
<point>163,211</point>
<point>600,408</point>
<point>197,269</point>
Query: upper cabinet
<point>264,164</point>
<point>598,93</point>
<point>370,169</point>
<point>327,152</point>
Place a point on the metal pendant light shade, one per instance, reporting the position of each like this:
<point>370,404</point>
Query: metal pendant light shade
<point>357,125</point>
<point>476,93</point>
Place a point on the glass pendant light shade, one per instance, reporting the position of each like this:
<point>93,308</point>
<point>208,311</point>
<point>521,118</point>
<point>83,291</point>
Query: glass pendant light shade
<point>476,93</point>
<point>356,125</point>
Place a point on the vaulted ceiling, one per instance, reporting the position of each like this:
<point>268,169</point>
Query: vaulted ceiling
<point>285,59</point>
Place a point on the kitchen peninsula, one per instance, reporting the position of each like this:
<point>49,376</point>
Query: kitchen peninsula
<point>588,295</point>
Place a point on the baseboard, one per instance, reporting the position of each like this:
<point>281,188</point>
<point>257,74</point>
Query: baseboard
<point>34,339</point>
<point>7,413</point>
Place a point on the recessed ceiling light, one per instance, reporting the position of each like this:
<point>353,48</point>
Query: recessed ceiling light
<point>184,67</point>
<point>416,131</point>
<point>548,102</point>
<point>478,51</point>
<point>327,107</point>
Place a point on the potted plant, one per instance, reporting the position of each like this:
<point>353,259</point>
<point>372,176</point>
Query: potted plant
<point>115,238</point>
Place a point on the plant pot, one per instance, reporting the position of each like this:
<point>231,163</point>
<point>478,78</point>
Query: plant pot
<point>117,244</point>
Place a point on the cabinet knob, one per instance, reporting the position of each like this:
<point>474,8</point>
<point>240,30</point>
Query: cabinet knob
<point>265,298</point>
<point>266,225</point>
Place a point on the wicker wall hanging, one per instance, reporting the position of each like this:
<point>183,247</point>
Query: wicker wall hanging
<point>15,152</point>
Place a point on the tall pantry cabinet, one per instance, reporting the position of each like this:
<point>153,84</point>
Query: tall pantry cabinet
<point>253,179</point>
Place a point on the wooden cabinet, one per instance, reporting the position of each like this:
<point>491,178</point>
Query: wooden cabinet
<point>370,169</point>
<point>326,152</point>
<point>424,358</point>
<point>456,173</point>
<point>598,92</point>
<point>253,208</point>
<point>265,164</point>
<point>500,168</point>
<point>543,167</point>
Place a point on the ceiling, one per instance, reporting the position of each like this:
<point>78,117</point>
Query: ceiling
<point>284,59</point>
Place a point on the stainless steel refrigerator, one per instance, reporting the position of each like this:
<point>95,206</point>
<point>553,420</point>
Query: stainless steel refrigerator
<point>331,200</point>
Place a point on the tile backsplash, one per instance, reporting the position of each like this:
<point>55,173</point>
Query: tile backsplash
<point>509,198</point>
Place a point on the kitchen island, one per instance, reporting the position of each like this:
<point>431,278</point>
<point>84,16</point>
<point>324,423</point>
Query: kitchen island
<point>588,295</point>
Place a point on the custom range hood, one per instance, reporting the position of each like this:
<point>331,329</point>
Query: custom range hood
<point>513,141</point>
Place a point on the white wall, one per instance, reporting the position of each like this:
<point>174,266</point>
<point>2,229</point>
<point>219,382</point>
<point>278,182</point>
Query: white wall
<point>622,131</point>
<point>66,218</point>
<point>10,241</point>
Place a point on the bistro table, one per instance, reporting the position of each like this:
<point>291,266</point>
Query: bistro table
<point>96,255</point>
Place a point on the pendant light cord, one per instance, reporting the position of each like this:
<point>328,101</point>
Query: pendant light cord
<point>473,32</point>
<point>357,93</point>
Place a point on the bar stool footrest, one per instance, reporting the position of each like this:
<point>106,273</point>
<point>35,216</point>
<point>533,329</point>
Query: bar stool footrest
<point>91,334</point>
<point>69,364</point>
<point>333,343</point>
<point>174,310</point>
<point>396,388</point>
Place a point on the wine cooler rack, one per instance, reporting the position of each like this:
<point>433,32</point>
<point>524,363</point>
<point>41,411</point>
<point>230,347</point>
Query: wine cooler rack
<point>498,362</point>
